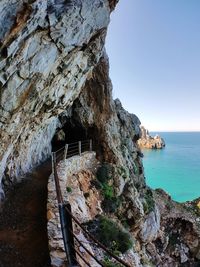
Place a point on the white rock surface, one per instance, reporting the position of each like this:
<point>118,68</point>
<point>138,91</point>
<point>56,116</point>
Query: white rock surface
<point>151,226</point>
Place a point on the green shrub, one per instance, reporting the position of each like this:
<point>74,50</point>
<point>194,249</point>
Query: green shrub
<point>123,221</point>
<point>104,173</point>
<point>111,204</point>
<point>108,191</point>
<point>69,189</point>
<point>110,234</point>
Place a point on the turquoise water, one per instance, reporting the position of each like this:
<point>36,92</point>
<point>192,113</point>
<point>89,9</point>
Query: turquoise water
<point>176,168</point>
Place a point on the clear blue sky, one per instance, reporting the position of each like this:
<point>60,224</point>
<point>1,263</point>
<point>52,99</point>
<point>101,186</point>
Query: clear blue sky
<point>154,51</point>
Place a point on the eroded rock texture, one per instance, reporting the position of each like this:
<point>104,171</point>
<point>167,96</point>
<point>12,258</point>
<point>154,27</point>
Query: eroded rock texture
<point>53,77</point>
<point>48,50</point>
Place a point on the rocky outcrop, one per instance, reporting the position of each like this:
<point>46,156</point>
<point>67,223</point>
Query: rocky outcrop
<point>147,141</point>
<point>150,228</point>
<point>55,87</point>
<point>179,231</point>
<point>48,51</point>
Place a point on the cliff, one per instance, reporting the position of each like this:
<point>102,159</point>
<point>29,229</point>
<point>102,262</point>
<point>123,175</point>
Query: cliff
<point>147,141</point>
<point>54,75</point>
<point>48,51</point>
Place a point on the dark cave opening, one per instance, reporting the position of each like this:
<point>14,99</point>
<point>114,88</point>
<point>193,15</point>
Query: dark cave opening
<point>73,131</point>
<point>70,132</point>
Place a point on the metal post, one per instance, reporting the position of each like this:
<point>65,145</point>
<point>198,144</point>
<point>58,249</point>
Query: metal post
<point>52,161</point>
<point>65,152</point>
<point>79,148</point>
<point>67,230</point>
<point>65,219</point>
<point>90,145</point>
<point>56,179</point>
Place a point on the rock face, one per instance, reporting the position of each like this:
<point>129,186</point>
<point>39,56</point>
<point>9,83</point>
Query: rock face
<point>55,87</point>
<point>147,141</point>
<point>48,51</point>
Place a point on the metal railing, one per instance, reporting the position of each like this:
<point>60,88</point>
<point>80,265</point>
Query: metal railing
<point>73,149</point>
<point>72,244</point>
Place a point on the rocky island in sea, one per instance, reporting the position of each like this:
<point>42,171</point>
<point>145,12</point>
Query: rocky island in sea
<point>147,141</point>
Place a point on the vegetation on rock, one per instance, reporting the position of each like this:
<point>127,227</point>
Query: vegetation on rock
<point>110,234</point>
<point>69,189</point>
<point>104,173</point>
<point>105,183</point>
<point>108,263</point>
<point>149,203</point>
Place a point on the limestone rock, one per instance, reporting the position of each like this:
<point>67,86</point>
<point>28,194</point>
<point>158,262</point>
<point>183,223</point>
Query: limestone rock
<point>151,226</point>
<point>147,141</point>
<point>48,49</point>
<point>54,80</point>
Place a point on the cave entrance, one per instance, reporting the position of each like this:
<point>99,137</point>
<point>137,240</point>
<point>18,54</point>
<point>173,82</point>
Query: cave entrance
<point>73,131</point>
<point>70,132</point>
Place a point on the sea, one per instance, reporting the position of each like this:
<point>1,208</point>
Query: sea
<point>176,168</point>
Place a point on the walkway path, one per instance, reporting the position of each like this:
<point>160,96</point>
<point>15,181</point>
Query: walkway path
<point>23,230</point>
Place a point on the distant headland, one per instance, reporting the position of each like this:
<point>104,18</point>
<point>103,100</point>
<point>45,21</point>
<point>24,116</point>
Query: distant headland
<point>147,141</point>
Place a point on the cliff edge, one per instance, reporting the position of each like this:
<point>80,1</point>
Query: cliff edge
<point>54,75</point>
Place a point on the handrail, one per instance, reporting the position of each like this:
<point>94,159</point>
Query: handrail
<point>60,149</point>
<point>83,259</point>
<point>57,184</point>
<point>87,250</point>
<point>96,241</point>
<point>74,144</point>
<point>77,147</point>
<point>66,216</point>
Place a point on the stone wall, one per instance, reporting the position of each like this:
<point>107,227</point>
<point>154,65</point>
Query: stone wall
<point>75,176</point>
